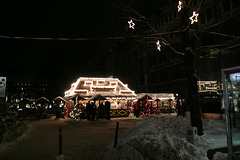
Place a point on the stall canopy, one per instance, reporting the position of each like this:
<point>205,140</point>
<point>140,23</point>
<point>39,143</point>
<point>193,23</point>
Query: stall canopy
<point>98,97</point>
<point>59,99</point>
<point>156,96</point>
<point>89,87</point>
<point>77,97</point>
<point>145,98</point>
<point>42,100</point>
<point>25,101</point>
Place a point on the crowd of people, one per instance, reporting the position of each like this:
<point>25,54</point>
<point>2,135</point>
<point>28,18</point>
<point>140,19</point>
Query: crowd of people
<point>103,111</point>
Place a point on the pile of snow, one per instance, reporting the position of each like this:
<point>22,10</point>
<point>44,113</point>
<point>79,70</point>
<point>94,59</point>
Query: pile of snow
<point>165,139</point>
<point>60,157</point>
<point>15,132</point>
<point>11,135</point>
<point>220,156</point>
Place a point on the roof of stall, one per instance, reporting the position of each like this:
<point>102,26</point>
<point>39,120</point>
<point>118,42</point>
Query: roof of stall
<point>156,96</point>
<point>107,87</point>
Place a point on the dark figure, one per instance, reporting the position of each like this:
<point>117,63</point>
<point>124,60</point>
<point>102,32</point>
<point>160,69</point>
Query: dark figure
<point>137,108</point>
<point>107,106</point>
<point>101,111</point>
<point>59,112</point>
<point>88,110</point>
<point>93,111</point>
<point>134,109</point>
<point>178,107</point>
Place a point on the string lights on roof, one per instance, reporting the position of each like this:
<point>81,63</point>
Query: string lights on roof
<point>131,24</point>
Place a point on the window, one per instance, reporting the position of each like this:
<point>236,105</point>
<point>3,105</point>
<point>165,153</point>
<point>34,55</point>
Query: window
<point>226,5</point>
<point>166,19</point>
<point>141,64</point>
<point>235,3</point>
<point>194,2</point>
<point>174,14</point>
<point>173,55</point>
<point>162,21</point>
<point>164,58</point>
<point>171,36</point>
<point>202,19</point>
<point>176,34</point>
<point>170,17</point>
<point>209,14</point>
<point>141,79</point>
<point>160,58</point>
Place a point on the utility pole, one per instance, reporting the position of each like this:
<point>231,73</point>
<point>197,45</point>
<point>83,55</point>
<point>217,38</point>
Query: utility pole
<point>192,97</point>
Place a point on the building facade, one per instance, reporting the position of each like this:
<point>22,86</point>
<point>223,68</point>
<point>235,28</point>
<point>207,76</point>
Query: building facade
<point>214,40</point>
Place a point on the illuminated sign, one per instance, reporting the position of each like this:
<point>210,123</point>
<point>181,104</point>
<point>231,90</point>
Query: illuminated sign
<point>234,77</point>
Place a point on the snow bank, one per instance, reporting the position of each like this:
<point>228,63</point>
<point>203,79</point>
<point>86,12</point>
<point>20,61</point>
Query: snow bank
<point>220,156</point>
<point>214,134</point>
<point>157,138</point>
<point>12,135</point>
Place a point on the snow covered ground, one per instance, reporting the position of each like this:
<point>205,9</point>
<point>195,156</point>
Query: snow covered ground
<point>165,139</point>
<point>157,137</point>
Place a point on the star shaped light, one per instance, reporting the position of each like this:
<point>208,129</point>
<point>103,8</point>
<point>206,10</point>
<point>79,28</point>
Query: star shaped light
<point>131,24</point>
<point>180,6</point>
<point>158,45</point>
<point>194,17</point>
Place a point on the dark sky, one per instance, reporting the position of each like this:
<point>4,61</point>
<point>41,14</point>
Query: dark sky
<point>61,19</point>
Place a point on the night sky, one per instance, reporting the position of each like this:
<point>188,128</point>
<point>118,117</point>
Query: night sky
<point>61,60</point>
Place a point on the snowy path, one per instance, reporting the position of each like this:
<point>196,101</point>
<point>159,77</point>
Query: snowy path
<point>81,139</point>
<point>90,140</point>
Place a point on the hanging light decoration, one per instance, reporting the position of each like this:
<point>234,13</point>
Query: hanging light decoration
<point>158,45</point>
<point>194,17</point>
<point>180,6</point>
<point>131,24</point>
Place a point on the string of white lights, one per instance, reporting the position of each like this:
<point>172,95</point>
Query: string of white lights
<point>59,39</point>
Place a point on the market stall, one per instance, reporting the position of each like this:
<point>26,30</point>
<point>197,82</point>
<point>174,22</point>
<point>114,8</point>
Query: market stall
<point>156,103</point>
<point>99,90</point>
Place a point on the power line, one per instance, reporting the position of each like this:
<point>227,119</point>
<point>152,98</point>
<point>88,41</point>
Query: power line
<point>60,38</point>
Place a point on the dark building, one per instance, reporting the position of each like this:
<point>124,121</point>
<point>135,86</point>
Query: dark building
<point>22,85</point>
<point>214,39</point>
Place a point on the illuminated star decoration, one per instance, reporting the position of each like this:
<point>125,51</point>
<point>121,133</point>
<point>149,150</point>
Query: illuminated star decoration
<point>131,24</point>
<point>158,45</point>
<point>194,17</point>
<point>180,6</point>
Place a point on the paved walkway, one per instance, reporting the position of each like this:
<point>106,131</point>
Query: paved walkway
<point>87,140</point>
